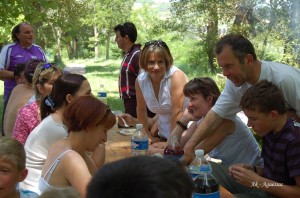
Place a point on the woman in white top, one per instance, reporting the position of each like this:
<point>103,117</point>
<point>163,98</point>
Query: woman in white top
<point>68,162</point>
<point>51,129</point>
<point>159,88</point>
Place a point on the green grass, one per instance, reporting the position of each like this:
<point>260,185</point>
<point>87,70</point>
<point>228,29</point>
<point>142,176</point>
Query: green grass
<point>105,72</point>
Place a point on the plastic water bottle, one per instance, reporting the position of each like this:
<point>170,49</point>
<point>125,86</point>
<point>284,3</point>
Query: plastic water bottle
<point>173,151</point>
<point>139,141</point>
<point>194,167</point>
<point>206,184</point>
<point>102,94</point>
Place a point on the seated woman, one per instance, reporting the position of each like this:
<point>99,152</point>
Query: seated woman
<point>51,129</point>
<point>28,117</point>
<point>233,144</point>
<point>159,88</point>
<point>20,95</point>
<point>69,163</point>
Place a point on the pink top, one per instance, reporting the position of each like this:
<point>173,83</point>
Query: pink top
<point>27,120</point>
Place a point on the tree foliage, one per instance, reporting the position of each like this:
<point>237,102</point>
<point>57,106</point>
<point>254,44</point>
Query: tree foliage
<point>272,25</point>
<point>84,28</point>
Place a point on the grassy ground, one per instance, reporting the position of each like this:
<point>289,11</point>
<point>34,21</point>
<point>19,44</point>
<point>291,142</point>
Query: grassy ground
<point>105,72</point>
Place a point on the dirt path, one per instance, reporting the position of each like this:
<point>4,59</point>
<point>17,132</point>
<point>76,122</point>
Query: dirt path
<point>75,68</point>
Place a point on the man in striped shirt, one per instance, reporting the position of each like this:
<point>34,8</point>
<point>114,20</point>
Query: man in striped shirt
<point>126,35</point>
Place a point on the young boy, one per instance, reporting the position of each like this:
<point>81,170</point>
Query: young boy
<point>264,105</point>
<point>12,169</point>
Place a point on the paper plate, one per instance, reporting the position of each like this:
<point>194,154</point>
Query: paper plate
<point>127,131</point>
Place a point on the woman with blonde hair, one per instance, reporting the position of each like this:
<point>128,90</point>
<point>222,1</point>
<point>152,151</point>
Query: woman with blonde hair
<point>160,88</point>
<point>29,117</point>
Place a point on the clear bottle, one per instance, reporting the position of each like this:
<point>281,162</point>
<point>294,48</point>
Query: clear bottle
<point>139,141</point>
<point>206,184</point>
<point>173,151</point>
<point>102,94</point>
<point>194,167</point>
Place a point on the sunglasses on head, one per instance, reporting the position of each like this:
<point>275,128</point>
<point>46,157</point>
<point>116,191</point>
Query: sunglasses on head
<point>156,42</point>
<point>47,66</point>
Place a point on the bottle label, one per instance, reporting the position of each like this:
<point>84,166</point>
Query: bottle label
<point>205,168</point>
<point>174,158</point>
<point>139,144</point>
<point>102,94</point>
<point>209,195</point>
<point>194,176</point>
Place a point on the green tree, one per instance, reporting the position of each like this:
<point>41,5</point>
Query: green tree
<point>104,15</point>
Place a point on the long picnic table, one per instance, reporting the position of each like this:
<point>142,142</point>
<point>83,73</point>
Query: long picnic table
<point>118,147</point>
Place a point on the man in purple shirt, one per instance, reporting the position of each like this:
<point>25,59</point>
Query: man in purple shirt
<point>20,51</point>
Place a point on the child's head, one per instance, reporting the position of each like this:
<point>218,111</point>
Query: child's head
<point>30,67</point>
<point>19,73</point>
<point>263,103</point>
<point>203,94</point>
<point>12,164</point>
<point>144,176</point>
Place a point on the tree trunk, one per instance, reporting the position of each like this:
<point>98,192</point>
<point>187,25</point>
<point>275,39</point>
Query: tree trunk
<point>107,44</point>
<point>75,47</point>
<point>294,38</point>
<point>96,35</point>
<point>211,37</point>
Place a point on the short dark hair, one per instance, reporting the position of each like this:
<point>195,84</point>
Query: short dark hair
<point>204,86</point>
<point>64,85</point>
<point>128,29</point>
<point>16,30</point>
<point>264,97</point>
<point>19,69</point>
<point>30,67</point>
<point>141,176</point>
<point>240,46</point>
<point>86,112</point>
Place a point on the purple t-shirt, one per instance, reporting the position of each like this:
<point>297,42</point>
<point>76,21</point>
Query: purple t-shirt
<point>13,54</point>
<point>281,154</point>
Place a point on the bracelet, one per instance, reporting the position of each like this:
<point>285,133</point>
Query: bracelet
<point>254,167</point>
<point>181,125</point>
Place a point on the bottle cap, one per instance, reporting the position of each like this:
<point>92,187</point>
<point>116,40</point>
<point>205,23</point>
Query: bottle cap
<point>139,126</point>
<point>199,152</point>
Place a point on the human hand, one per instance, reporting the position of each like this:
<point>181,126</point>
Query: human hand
<point>153,139</point>
<point>189,155</point>
<point>153,149</point>
<point>131,121</point>
<point>243,174</point>
<point>160,145</point>
<point>188,115</point>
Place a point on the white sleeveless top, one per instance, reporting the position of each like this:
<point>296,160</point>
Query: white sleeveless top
<point>43,181</point>
<point>163,106</point>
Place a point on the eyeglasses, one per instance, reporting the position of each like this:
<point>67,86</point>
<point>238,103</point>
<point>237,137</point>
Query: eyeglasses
<point>156,42</point>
